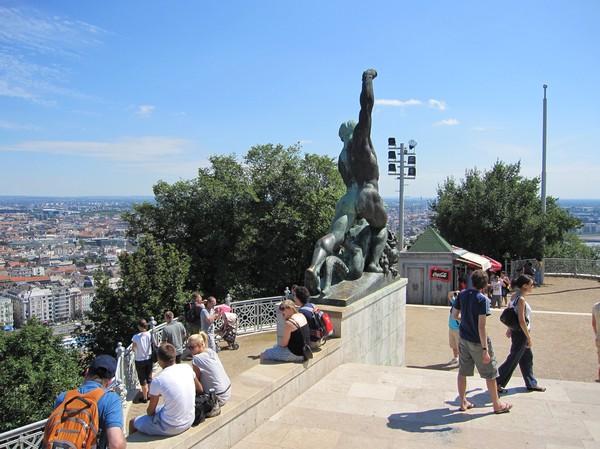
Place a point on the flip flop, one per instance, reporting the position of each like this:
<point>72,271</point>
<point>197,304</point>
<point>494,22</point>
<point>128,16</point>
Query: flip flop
<point>536,388</point>
<point>469,407</point>
<point>504,409</point>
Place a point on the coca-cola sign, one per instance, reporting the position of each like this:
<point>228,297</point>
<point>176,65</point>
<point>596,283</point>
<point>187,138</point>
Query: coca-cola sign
<point>439,274</point>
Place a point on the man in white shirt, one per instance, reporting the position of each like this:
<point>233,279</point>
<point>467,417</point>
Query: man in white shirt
<point>176,385</point>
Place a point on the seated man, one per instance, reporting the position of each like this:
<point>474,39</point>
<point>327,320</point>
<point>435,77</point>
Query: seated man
<point>99,374</point>
<point>305,307</point>
<point>176,385</point>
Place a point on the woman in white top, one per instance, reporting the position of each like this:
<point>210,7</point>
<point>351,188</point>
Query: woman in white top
<point>520,348</point>
<point>142,347</point>
<point>208,368</point>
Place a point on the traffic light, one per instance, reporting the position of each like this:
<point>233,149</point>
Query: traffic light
<point>391,155</point>
<point>412,171</point>
<point>411,160</point>
<point>392,169</point>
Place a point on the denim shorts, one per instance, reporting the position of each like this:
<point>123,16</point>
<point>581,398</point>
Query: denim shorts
<point>154,425</point>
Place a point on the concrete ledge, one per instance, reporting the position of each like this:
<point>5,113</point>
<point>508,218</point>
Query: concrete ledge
<point>371,330</point>
<point>257,395</point>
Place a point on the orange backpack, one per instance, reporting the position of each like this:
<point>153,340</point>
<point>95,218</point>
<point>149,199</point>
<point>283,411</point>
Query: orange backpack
<point>74,424</point>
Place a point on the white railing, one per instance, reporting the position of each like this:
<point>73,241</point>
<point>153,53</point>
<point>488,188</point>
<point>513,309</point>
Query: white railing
<point>254,315</point>
<point>561,267</point>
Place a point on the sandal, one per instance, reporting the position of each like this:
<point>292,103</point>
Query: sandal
<point>504,409</point>
<point>502,390</point>
<point>536,388</point>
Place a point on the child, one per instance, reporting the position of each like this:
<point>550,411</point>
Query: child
<point>453,326</point>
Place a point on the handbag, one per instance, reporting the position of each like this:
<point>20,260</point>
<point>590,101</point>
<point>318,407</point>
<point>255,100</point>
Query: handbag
<point>510,318</point>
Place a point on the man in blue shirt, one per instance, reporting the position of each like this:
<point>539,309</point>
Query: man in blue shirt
<point>110,411</point>
<point>474,346</point>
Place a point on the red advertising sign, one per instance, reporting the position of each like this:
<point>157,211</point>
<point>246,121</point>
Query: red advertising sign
<point>439,274</point>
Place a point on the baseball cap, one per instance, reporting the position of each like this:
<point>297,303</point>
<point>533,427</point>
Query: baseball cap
<point>104,366</point>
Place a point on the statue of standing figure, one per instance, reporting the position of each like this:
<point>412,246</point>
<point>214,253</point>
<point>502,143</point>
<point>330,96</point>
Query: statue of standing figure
<point>358,166</point>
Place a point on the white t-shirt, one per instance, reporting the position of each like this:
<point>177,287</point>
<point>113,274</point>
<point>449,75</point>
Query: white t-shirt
<point>212,374</point>
<point>497,286</point>
<point>176,385</point>
<point>143,346</point>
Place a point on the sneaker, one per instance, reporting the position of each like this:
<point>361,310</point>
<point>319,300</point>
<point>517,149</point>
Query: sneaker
<point>216,411</point>
<point>454,360</point>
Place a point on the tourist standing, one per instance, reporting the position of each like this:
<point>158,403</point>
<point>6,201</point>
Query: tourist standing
<point>207,321</point>
<point>520,348</point>
<point>596,327</point>
<point>174,333</point>
<point>474,345</point>
<point>142,347</point>
<point>453,328</point>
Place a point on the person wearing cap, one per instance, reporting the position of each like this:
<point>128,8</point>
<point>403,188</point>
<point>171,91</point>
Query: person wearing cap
<point>98,375</point>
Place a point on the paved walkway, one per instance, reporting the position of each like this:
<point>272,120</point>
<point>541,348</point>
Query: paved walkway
<point>416,406</point>
<point>366,406</point>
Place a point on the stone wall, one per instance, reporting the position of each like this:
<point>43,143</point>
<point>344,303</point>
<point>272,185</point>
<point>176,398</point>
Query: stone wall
<point>370,330</point>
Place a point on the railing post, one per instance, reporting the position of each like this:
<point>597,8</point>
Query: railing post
<point>119,385</point>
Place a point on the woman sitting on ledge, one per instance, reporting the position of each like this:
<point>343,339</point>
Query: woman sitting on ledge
<point>208,368</point>
<point>295,333</point>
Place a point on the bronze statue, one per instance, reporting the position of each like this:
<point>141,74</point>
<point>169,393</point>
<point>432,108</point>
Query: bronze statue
<point>358,166</point>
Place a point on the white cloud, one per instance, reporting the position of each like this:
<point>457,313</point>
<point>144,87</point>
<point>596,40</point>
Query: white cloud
<point>129,149</point>
<point>411,102</point>
<point>447,122</point>
<point>35,49</point>
<point>439,104</point>
<point>145,110</point>
<point>5,124</point>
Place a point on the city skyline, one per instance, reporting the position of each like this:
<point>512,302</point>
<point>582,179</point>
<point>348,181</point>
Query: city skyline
<point>106,99</point>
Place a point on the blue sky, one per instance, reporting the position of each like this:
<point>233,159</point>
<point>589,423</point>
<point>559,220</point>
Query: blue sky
<point>108,97</point>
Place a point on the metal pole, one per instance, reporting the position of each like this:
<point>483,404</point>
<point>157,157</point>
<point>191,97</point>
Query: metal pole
<point>544,151</point>
<point>544,123</point>
<point>401,199</point>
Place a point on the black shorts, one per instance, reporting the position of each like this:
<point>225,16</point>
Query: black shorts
<point>143,368</point>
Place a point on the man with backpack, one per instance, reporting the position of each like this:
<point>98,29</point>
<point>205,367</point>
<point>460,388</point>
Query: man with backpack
<point>314,316</point>
<point>193,310</point>
<point>95,415</point>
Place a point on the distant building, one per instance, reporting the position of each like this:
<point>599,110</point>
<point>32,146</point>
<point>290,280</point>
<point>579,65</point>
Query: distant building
<point>6,312</point>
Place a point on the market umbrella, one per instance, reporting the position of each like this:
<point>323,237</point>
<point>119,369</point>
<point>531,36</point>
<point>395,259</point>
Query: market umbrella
<point>496,266</point>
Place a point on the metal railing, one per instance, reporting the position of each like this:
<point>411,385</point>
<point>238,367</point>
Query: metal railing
<point>561,267</point>
<point>254,315</point>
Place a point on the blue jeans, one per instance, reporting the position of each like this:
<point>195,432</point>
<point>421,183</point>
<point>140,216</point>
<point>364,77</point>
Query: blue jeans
<point>519,355</point>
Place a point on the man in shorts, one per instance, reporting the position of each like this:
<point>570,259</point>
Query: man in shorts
<point>177,386</point>
<point>596,327</point>
<point>474,346</point>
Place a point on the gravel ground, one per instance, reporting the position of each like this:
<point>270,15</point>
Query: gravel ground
<point>563,340</point>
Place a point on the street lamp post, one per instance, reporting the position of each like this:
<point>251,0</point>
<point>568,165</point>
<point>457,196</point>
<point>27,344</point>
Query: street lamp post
<point>402,164</point>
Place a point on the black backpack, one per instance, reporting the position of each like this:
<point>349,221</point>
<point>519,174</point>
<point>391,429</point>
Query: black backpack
<point>190,312</point>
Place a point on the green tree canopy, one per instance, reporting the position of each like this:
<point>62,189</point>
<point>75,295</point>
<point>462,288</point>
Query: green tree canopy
<point>152,282</point>
<point>498,213</point>
<point>35,368</point>
<point>248,227</point>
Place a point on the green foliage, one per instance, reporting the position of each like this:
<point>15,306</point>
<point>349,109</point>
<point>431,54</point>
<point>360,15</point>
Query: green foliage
<point>498,213</point>
<point>153,280</point>
<point>572,247</point>
<point>249,228</point>
<point>35,368</point>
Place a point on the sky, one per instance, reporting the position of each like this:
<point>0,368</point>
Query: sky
<point>109,97</point>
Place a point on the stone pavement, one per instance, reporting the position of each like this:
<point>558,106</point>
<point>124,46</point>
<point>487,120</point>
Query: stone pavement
<point>416,406</point>
<point>367,406</point>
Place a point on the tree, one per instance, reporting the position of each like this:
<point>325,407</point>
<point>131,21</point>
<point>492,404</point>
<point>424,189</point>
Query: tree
<point>572,247</point>
<point>498,213</point>
<point>152,282</point>
<point>249,228</point>
<point>35,368</point>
